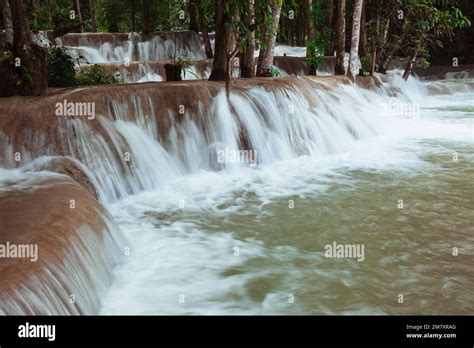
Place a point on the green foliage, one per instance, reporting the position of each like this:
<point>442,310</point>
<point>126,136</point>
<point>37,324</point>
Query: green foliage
<point>96,75</point>
<point>411,27</point>
<point>61,71</point>
<point>315,59</point>
<point>57,15</point>
<point>185,64</point>
<point>20,73</point>
<point>172,15</point>
<point>429,21</point>
<point>366,66</point>
<point>115,16</point>
<point>7,58</point>
<point>262,9</point>
<point>61,16</point>
<point>206,13</point>
<point>274,71</point>
<point>424,63</point>
<point>322,40</point>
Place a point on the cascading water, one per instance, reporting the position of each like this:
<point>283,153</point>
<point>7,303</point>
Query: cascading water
<point>192,221</point>
<point>75,249</point>
<point>115,48</point>
<point>280,124</point>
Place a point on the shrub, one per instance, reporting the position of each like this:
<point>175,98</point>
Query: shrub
<point>96,75</point>
<point>366,66</point>
<point>60,71</point>
<point>274,71</point>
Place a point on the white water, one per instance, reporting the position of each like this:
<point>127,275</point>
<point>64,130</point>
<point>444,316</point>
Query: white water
<point>159,49</point>
<point>85,269</point>
<point>84,273</point>
<point>134,48</point>
<point>298,154</point>
<point>168,198</point>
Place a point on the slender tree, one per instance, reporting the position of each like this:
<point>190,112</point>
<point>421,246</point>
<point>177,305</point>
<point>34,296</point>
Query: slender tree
<point>363,48</point>
<point>351,71</point>
<point>7,20</point>
<point>330,13</point>
<point>300,27</point>
<point>146,19</point>
<point>341,37</point>
<point>247,61</point>
<point>193,16</point>
<point>50,13</point>
<point>310,50</point>
<point>376,41</point>
<point>133,10</point>
<point>223,43</point>
<point>265,58</point>
<point>204,17</point>
<point>330,24</point>
<point>92,15</point>
<point>207,43</point>
<point>27,75</point>
<point>79,13</point>
<point>36,12</point>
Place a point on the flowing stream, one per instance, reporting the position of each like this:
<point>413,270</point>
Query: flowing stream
<point>391,172</point>
<point>251,240</point>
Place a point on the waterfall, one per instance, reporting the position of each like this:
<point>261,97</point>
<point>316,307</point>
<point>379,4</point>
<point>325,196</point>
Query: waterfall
<point>126,153</point>
<point>76,249</point>
<point>117,47</point>
<point>73,286</point>
<point>145,136</point>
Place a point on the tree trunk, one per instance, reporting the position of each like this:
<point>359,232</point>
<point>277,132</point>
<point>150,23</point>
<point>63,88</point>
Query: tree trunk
<point>146,20</point>
<point>247,64</point>
<point>388,58</point>
<point>50,14</point>
<point>79,14</point>
<point>409,66</point>
<point>355,39</point>
<point>299,28</point>
<point>383,67</point>
<point>173,72</point>
<point>92,15</point>
<point>265,58</point>
<point>29,78</point>
<point>364,52</point>
<point>376,44</point>
<point>134,29</point>
<point>7,20</point>
<point>289,32</point>
<point>330,14</point>
<point>330,24</point>
<point>205,33</point>
<point>223,41</point>
<point>36,13</point>
<point>341,37</point>
<point>228,78</point>
<point>207,43</point>
<point>193,16</point>
<point>310,50</point>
